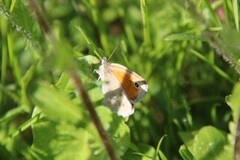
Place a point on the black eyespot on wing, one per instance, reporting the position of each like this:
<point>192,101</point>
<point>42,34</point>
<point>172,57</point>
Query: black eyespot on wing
<point>136,85</point>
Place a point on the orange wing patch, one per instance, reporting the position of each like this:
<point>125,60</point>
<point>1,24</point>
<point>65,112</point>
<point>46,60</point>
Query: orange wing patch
<point>127,82</point>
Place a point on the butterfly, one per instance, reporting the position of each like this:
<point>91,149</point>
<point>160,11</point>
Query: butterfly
<point>121,87</point>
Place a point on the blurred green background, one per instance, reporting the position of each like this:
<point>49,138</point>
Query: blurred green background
<point>187,51</point>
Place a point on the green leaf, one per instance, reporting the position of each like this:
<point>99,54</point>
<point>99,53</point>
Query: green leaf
<point>209,143</point>
<point>66,141</point>
<point>89,59</point>
<point>53,140</point>
<point>56,104</point>
<point>24,84</point>
<point>186,36</point>
<point>11,114</point>
<point>143,152</point>
<point>161,154</point>
<point>233,101</point>
<point>185,153</point>
<point>27,124</point>
<point>64,82</point>
<point>85,65</point>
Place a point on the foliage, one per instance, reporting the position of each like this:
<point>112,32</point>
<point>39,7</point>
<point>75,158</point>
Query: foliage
<point>188,52</point>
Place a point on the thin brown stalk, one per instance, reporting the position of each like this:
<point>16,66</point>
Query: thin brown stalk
<point>93,115</point>
<point>41,20</point>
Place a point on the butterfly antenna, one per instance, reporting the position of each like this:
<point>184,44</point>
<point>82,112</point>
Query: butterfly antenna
<point>114,50</point>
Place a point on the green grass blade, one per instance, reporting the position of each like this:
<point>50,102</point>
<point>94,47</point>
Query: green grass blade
<point>236,13</point>
<point>185,153</point>
<point>145,21</point>
<point>22,128</point>
<point>215,67</point>
<point>13,58</point>
<point>213,13</point>
<point>186,36</point>
<point>10,115</point>
<point>90,43</point>
<point>158,151</point>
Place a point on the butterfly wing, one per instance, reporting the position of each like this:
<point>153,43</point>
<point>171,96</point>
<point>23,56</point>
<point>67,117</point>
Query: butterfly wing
<point>134,85</point>
<point>114,94</point>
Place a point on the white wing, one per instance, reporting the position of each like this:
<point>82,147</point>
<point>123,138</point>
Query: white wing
<point>115,96</point>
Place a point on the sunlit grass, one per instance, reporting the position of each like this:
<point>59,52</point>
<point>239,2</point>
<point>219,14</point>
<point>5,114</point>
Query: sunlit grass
<point>188,53</point>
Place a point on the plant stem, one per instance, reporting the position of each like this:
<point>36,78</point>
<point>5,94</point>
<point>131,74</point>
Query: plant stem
<point>93,114</point>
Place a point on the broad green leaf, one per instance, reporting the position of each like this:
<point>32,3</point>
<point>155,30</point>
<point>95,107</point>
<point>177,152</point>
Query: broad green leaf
<point>53,140</point>
<point>95,94</point>
<point>234,102</point>
<point>56,104</point>
<point>66,141</point>
<point>210,143</point>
